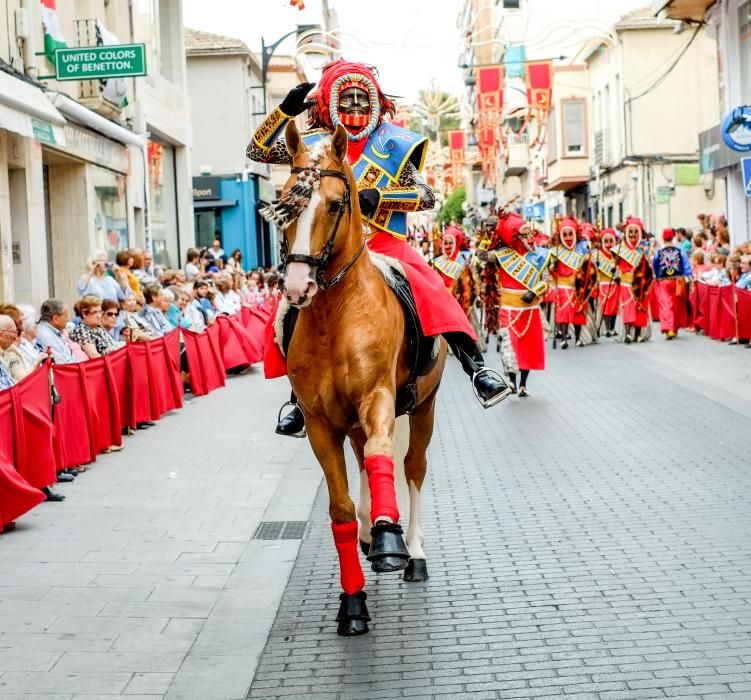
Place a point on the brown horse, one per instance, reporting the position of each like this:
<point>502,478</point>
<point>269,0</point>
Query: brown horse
<point>347,361</point>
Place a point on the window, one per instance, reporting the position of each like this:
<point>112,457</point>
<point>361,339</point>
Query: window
<point>163,203</point>
<point>110,211</point>
<point>552,137</point>
<point>574,133</point>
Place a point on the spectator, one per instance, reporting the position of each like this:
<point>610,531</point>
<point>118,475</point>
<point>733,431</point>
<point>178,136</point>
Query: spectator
<point>249,290</point>
<point>27,345</point>
<point>146,274</point>
<point>176,312</point>
<point>717,275</point>
<point>97,282</point>
<point>112,321</point>
<point>125,261</point>
<point>722,241</point>
<point>8,334</point>
<point>153,312</point>
<point>698,265</point>
<point>684,240</point>
<point>94,340</point>
<point>272,287</point>
<point>226,301</point>
<point>217,251</point>
<point>234,264</point>
<point>16,361</point>
<point>137,329</point>
<point>744,281</point>
<point>208,262</point>
<point>425,250</point>
<point>53,319</point>
<point>192,264</point>
<point>201,301</point>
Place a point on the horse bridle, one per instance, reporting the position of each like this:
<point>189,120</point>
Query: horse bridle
<point>321,261</point>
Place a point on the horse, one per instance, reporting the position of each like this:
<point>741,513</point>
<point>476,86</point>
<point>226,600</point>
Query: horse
<point>348,361</point>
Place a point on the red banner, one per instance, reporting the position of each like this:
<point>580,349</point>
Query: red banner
<point>540,84</point>
<point>489,95</point>
<point>457,141</point>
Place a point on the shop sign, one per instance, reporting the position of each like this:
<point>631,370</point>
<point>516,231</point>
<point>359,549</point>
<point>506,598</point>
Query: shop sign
<point>535,211</point>
<point>43,131</point>
<point>94,62</point>
<point>96,149</point>
<point>713,153</point>
<point>736,129</point>
<point>206,188</point>
<point>746,170</point>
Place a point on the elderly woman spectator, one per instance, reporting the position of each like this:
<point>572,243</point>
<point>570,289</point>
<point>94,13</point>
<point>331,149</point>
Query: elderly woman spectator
<point>27,344</point>
<point>176,313</point>
<point>153,312</point>
<point>137,329</point>
<point>744,280</point>
<point>125,263</point>
<point>717,275</point>
<point>112,321</point>
<point>8,334</point>
<point>17,362</point>
<point>227,300</point>
<point>97,282</point>
<point>94,340</point>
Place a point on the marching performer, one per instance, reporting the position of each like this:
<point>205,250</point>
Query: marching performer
<point>386,160</point>
<point>569,254</point>
<point>522,289</point>
<point>608,280</point>
<point>453,257</point>
<point>635,271</point>
<point>673,273</point>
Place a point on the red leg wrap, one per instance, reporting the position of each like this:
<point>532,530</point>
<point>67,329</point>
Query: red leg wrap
<point>380,470</point>
<point>345,539</point>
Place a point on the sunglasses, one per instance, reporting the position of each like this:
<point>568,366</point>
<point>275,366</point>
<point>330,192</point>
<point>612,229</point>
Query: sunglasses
<point>110,313</point>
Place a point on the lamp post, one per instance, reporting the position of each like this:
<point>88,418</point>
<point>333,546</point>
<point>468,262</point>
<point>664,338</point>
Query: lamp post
<point>267,51</point>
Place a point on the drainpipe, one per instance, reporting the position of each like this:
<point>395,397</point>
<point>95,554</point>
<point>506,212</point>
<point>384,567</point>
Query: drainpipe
<point>29,49</point>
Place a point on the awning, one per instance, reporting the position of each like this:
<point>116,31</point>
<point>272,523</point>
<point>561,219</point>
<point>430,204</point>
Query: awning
<point>692,10</point>
<point>26,111</point>
<point>214,203</point>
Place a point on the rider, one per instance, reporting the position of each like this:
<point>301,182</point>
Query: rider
<point>386,161</point>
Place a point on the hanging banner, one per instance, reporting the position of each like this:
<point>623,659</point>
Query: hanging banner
<point>489,95</point>
<point>540,84</point>
<point>456,146</point>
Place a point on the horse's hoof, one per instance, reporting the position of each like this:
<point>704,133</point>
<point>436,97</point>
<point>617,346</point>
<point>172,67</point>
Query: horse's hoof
<point>365,547</point>
<point>388,564</point>
<point>353,615</point>
<point>387,552</point>
<point>417,570</point>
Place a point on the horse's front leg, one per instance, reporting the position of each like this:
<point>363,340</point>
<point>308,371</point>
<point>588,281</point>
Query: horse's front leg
<point>327,444</point>
<point>387,549</point>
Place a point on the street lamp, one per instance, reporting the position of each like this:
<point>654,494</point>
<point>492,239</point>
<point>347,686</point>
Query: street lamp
<point>268,51</point>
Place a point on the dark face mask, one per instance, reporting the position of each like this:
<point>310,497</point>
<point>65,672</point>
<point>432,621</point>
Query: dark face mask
<point>354,102</point>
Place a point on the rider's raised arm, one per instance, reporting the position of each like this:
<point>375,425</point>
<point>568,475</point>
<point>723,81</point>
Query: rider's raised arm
<point>412,194</point>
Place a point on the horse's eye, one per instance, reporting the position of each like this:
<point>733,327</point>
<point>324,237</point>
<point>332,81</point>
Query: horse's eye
<point>334,207</point>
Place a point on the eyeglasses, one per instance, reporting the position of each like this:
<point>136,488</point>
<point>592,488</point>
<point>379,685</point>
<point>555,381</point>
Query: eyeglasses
<point>110,313</point>
<point>13,331</point>
<point>93,312</point>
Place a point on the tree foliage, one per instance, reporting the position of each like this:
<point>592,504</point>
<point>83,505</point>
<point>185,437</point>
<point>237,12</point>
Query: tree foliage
<point>452,207</point>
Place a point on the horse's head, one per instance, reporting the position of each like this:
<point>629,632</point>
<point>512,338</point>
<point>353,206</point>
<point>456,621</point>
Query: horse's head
<point>319,206</point>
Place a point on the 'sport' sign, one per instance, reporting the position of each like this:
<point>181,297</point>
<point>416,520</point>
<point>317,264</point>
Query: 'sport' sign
<point>95,62</point>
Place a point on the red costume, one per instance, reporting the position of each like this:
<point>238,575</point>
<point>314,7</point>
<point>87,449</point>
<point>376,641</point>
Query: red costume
<point>607,272</point>
<point>672,272</point>
<point>451,262</point>
<point>522,289</point>
<point>569,256</point>
<point>634,302</point>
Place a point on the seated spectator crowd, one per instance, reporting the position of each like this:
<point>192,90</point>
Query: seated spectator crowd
<point>127,300</point>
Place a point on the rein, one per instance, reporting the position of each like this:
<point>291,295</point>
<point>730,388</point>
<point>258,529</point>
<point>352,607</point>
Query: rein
<point>321,261</point>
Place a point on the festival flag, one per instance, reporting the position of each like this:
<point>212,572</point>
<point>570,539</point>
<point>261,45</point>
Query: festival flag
<point>540,84</point>
<point>456,146</point>
<point>53,37</point>
<point>113,90</point>
<point>489,94</point>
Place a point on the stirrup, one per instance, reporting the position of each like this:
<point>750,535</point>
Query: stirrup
<point>300,434</point>
<point>493,400</point>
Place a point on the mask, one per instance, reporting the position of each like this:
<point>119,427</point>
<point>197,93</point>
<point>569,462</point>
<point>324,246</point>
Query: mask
<point>633,236</point>
<point>353,102</point>
<point>354,107</point>
<point>608,242</point>
<point>568,238</point>
<point>449,246</point>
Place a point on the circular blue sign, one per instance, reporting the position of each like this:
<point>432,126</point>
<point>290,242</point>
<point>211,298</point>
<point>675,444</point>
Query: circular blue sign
<point>736,129</point>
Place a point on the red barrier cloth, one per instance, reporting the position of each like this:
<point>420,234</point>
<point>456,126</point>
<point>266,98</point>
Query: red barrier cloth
<point>102,401</point>
<point>141,382</point>
<point>721,313</point>
<point>164,359</point>
<point>744,313</point>
<point>72,442</point>
<point>16,495</point>
<point>32,425</point>
<point>117,365</point>
<point>673,311</point>
<point>700,306</point>
<point>204,360</point>
<point>239,347</point>
<point>255,321</point>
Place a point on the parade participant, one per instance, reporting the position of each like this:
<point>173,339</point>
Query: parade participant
<point>635,271</point>
<point>453,257</point>
<point>569,254</point>
<point>386,160</point>
<point>672,271</point>
<point>608,280</point>
<point>522,289</point>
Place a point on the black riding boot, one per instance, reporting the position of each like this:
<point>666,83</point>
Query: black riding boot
<point>293,424</point>
<point>488,384</point>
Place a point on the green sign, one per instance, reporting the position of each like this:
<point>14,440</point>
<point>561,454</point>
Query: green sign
<point>94,62</point>
<point>43,131</point>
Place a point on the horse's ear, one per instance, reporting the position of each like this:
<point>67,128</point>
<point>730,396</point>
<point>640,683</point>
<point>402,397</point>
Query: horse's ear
<point>295,145</point>
<point>339,144</point>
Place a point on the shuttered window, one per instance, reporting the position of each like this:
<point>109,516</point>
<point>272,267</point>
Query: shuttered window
<point>574,131</point>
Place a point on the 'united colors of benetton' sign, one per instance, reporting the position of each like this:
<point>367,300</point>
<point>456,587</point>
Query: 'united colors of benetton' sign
<point>94,62</point>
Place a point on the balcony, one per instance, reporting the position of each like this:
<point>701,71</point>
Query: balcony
<point>518,159</point>
<point>693,10</point>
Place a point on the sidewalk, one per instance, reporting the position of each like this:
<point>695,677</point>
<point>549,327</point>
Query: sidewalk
<point>146,581</point>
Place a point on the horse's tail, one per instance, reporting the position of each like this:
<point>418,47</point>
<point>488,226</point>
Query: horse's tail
<point>401,445</point>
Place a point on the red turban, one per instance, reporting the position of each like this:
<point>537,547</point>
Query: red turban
<point>633,221</point>
<point>460,241</point>
<point>571,222</point>
<point>509,225</point>
<point>668,235</point>
<point>589,232</point>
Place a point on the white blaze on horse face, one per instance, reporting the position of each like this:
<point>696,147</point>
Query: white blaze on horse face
<point>299,285</point>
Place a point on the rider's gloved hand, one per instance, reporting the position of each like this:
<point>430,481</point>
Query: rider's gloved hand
<point>369,201</point>
<point>295,102</point>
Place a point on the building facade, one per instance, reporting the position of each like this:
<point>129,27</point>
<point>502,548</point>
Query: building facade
<point>89,165</point>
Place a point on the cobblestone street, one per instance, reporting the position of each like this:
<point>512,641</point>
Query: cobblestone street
<point>592,541</point>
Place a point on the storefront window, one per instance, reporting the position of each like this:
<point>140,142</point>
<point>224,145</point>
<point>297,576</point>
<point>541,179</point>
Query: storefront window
<point>163,210</point>
<point>111,223</point>
<point>744,43</point>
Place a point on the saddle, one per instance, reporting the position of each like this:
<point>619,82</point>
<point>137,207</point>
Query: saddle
<point>423,350</point>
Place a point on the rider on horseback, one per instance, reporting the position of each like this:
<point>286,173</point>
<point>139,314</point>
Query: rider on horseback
<point>386,161</point>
